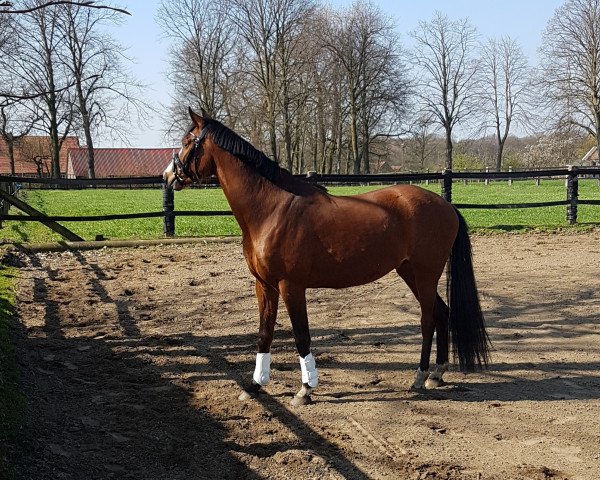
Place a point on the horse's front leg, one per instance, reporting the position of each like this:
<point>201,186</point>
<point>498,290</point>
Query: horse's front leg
<point>268,300</point>
<point>295,302</point>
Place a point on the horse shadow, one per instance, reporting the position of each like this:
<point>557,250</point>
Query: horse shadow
<point>121,414</point>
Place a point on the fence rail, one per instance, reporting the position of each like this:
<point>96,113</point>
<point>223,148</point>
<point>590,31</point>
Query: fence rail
<point>446,179</point>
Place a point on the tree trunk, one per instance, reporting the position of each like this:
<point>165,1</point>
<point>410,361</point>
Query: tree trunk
<point>321,134</point>
<point>354,139</point>
<point>499,156</point>
<point>273,138</point>
<point>338,147</point>
<point>287,130</point>
<point>90,154</point>
<point>54,148</point>
<point>449,148</point>
<point>287,138</point>
<point>272,129</point>
<point>87,130</point>
<point>10,143</point>
<point>366,158</point>
<point>598,134</point>
<point>55,160</point>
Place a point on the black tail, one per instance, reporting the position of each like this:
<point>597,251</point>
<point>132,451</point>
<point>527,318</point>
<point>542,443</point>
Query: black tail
<point>470,341</point>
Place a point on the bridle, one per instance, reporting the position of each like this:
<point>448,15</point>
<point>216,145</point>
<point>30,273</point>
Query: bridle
<point>181,170</point>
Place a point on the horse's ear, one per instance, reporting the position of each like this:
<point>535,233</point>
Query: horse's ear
<point>197,119</point>
<point>205,115</point>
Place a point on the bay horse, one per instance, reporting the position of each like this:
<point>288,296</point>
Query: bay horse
<point>296,236</point>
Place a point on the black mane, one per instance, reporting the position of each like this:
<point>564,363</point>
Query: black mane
<point>231,142</point>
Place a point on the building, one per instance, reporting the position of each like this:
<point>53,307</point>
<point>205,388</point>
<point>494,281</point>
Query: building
<point>119,162</point>
<point>590,159</point>
<point>33,156</point>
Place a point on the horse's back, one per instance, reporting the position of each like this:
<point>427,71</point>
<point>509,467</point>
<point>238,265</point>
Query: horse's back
<point>342,241</point>
<point>415,206</point>
<point>428,223</point>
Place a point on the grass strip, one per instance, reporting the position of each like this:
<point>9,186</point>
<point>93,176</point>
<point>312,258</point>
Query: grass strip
<point>127,201</point>
<point>12,402</point>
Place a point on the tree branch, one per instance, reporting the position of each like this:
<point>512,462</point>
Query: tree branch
<point>87,4</point>
<point>13,98</point>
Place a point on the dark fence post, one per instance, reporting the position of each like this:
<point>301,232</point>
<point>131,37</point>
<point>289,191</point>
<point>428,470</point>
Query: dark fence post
<point>447,184</point>
<point>168,209</point>
<point>572,195</point>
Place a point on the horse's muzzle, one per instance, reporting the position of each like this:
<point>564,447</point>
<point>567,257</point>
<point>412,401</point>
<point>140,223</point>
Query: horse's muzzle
<point>171,178</point>
<point>175,184</point>
<point>172,181</point>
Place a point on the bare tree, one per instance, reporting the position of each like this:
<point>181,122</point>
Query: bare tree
<point>445,72</point>
<point>201,65</point>
<point>326,97</point>
<point>8,44</point>
<point>256,23</point>
<point>105,93</point>
<point>570,71</point>
<point>364,42</point>
<point>270,30</point>
<point>70,75</point>
<point>423,145</point>
<point>37,150</point>
<point>38,67</point>
<point>6,31</point>
<point>16,121</point>
<point>292,56</point>
<point>504,89</point>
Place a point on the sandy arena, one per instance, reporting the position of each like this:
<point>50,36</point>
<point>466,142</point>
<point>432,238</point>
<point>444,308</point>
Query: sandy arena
<point>133,359</point>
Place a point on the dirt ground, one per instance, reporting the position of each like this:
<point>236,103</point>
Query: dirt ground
<point>133,359</point>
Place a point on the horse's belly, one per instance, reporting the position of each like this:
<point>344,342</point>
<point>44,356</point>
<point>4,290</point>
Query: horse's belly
<point>356,270</point>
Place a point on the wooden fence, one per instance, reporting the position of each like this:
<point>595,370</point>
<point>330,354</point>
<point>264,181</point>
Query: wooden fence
<point>446,178</point>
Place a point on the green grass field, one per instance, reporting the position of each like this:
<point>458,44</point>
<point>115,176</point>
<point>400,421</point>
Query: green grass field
<point>110,201</point>
<point>12,402</point>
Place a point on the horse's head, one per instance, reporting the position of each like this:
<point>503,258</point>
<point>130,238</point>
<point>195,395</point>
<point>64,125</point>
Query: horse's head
<point>192,164</point>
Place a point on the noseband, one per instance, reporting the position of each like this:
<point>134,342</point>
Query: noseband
<point>183,168</point>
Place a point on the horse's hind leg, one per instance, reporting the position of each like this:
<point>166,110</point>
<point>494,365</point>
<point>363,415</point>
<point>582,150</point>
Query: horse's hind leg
<point>424,287</point>
<point>441,336</point>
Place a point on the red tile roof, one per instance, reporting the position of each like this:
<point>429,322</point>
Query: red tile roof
<point>30,146</point>
<point>120,162</point>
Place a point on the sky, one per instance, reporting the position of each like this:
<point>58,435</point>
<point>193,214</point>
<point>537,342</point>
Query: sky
<point>523,20</point>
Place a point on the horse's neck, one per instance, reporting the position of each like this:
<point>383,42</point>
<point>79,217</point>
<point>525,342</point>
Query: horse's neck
<point>252,197</point>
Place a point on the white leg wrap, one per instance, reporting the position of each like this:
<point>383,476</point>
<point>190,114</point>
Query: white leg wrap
<point>438,371</point>
<point>262,372</point>
<point>309,370</point>
<point>420,378</point>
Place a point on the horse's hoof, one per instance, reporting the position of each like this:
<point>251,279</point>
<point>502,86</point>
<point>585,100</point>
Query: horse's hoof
<point>300,400</point>
<point>246,396</point>
<point>250,393</point>
<point>434,382</point>
<point>420,379</point>
<point>417,388</point>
